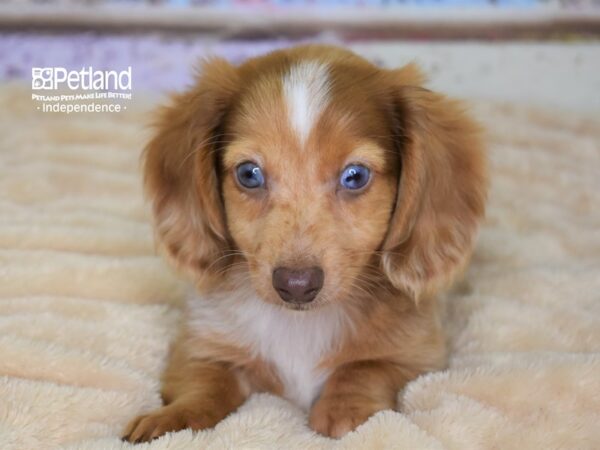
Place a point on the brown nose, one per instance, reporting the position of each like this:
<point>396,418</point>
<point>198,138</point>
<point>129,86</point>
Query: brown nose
<point>298,285</point>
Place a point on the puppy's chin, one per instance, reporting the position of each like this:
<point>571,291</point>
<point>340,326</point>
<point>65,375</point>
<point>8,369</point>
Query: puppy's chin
<point>290,306</point>
<point>301,307</point>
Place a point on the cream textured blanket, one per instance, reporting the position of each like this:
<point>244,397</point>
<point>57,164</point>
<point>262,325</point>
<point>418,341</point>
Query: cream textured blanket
<point>87,308</point>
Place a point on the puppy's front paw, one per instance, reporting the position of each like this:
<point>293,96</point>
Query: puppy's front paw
<point>334,416</point>
<point>172,417</point>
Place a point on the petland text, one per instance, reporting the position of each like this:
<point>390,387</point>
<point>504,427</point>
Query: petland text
<point>52,78</point>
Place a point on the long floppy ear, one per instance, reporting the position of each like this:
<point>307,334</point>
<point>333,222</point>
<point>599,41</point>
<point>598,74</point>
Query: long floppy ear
<point>181,173</point>
<point>441,194</point>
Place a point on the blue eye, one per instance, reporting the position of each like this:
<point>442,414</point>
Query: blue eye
<point>355,177</point>
<point>250,175</point>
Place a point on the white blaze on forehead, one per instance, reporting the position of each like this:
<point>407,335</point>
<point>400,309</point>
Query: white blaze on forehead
<point>306,91</point>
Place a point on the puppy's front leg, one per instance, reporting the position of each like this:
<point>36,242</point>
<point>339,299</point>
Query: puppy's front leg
<point>356,391</point>
<point>197,394</point>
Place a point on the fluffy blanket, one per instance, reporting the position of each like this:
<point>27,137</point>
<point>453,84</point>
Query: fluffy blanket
<point>87,308</point>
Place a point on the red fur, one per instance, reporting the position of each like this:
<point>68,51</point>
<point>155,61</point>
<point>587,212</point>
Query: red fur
<point>384,252</point>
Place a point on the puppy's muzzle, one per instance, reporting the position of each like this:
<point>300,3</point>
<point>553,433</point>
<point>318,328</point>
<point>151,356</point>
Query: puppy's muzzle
<point>298,286</point>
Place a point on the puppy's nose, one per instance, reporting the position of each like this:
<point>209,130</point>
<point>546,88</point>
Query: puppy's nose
<point>298,285</point>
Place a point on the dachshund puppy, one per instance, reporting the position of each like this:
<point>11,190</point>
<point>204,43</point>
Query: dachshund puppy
<point>317,202</point>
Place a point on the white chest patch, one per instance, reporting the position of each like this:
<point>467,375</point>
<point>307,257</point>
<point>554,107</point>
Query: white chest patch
<point>306,89</point>
<point>293,341</point>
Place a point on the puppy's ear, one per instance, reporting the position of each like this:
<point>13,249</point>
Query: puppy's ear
<point>441,192</point>
<point>181,173</point>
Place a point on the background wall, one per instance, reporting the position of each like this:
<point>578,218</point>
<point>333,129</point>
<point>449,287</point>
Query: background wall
<point>540,52</point>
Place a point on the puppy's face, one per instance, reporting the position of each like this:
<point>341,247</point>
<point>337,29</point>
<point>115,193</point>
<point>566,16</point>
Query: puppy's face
<point>311,173</point>
<point>309,179</point>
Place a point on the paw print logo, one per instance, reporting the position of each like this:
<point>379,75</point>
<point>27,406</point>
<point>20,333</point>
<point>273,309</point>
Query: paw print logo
<point>41,78</point>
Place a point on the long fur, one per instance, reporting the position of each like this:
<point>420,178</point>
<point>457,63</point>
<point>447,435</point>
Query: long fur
<point>303,114</point>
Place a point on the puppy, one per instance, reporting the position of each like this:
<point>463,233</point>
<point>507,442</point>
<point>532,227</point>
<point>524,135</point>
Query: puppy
<point>317,202</point>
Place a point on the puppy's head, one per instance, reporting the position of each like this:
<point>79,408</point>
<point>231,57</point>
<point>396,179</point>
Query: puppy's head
<point>310,173</point>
